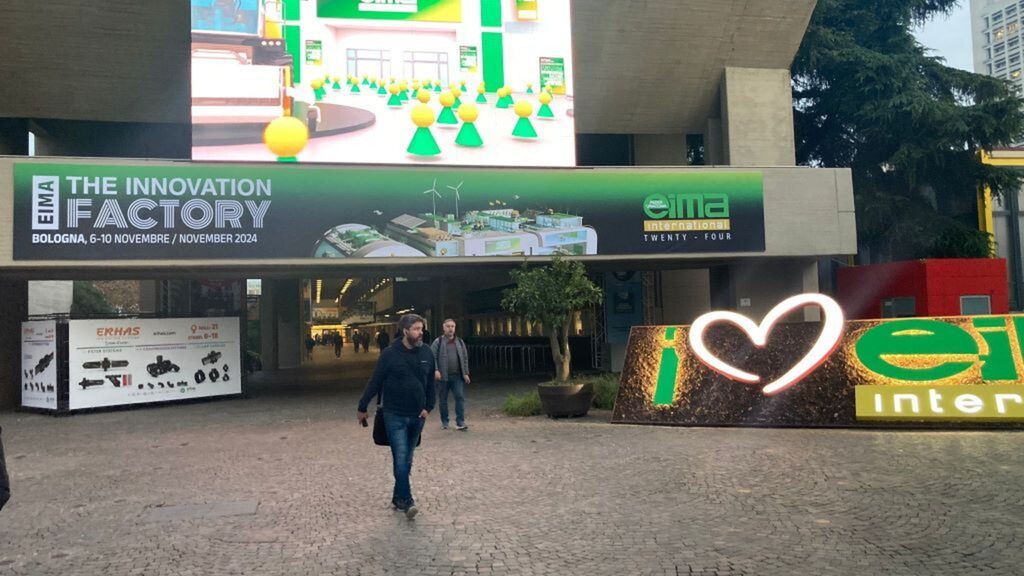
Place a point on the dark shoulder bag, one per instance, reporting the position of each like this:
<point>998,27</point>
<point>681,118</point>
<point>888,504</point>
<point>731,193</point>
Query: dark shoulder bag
<point>5,485</point>
<point>380,434</point>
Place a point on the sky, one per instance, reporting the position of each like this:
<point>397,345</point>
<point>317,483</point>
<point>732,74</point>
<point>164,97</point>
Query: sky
<point>950,37</point>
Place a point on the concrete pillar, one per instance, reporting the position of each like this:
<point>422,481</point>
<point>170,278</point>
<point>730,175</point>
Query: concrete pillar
<point>811,285</point>
<point>761,285</point>
<point>13,137</point>
<point>13,309</point>
<point>149,296</point>
<point>757,117</point>
<point>290,328</point>
<point>713,153</point>
<point>268,326</point>
<point>685,295</point>
<point>659,150</point>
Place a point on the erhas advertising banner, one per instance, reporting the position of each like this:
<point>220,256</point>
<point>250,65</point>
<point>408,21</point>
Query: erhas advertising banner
<point>39,364</point>
<point>135,361</point>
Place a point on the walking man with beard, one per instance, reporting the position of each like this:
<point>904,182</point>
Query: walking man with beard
<point>404,379</point>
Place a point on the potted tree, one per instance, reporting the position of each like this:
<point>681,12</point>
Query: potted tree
<point>552,295</point>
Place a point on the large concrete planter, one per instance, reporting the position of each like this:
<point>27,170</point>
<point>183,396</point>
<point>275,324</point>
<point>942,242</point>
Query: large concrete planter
<point>570,401</point>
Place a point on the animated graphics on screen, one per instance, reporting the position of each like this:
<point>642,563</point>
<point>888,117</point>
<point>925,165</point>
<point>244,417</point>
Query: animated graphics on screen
<point>451,82</point>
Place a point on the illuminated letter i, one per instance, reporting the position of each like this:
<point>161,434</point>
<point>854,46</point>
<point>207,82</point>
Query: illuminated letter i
<point>665,392</point>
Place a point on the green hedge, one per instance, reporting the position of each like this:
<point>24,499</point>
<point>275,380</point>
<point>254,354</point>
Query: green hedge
<point>523,404</point>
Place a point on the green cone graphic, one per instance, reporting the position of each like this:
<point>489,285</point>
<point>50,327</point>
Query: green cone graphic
<point>403,95</point>
<point>423,143</point>
<point>463,87</point>
<point>504,102</point>
<point>529,90</point>
<point>395,101</point>
<point>373,85</point>
<point>458,104</point>
<point>437,89</point>
<point>382,90</point>
<point>355,88</point>
<point>366,82</point>
<point>319,93</point>
<point>524,129</point>
<point>287,159</point>
<point>481,99</point>
<point>469,136</point>
<point>545,111</point>
<point>336,85</point>
<point>447,117</point>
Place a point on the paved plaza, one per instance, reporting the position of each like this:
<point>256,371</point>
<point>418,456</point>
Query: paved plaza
<point>285,482</point>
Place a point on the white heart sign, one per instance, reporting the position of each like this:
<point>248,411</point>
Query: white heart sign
<point>827,342</point>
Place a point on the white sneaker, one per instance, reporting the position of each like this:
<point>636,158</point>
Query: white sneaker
<point>411,512</point>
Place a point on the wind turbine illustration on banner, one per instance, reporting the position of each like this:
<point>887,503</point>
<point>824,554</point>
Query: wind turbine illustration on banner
<point>456,189</point>
<point>434,196</point>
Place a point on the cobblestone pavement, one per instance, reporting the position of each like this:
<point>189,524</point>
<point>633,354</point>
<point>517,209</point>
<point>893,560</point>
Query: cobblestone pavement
<point>285,482</point>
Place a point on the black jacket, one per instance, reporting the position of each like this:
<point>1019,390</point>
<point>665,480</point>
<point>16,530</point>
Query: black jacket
<point>406,378</point>
<point>5,483</point>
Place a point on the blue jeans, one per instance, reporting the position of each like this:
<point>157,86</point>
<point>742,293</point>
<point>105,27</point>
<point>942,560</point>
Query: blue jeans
<point>403,433</point>
<point>457,385</point>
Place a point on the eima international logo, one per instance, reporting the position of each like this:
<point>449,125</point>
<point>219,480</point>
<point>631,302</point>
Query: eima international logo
<point>687,213</point>
<point>45,202</point>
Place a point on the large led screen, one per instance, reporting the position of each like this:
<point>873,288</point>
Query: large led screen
<point>435,82</point>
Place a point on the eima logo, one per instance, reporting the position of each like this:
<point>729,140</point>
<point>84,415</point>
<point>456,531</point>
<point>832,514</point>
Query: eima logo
<point>45,202</point>
<point>686,212</point>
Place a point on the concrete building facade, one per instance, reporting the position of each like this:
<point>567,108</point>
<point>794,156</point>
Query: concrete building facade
<point>996,35</point>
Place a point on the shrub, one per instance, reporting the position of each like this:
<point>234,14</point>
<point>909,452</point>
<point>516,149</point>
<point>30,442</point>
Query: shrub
<point>527,404</point>
<point>606,388</point>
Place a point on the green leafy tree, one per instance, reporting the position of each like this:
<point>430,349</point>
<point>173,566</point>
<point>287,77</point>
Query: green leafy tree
<point>869,97</point>
<point>552,295</point>
<point>88,301</point>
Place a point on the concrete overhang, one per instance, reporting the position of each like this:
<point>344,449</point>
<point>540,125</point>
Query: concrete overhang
<point>655,66</point>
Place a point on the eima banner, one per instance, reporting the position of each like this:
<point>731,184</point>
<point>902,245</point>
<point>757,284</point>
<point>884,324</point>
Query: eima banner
<point>107,212</point>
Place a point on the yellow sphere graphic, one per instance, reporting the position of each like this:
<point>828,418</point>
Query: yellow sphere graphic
<point>423,96</point>
<point>524,109</point>
<point>393,89</point>
<point>469,113</point>
<point>481,89</point>
<point>422,116</point>
<point>286,136</point>
<point>317,84</point>
<point>457,92</point>
<point>447,99</point>
<point>545,98</point>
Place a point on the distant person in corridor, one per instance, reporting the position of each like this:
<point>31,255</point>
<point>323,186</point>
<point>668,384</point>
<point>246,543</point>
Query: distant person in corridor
<point>452,374</point>
<point>403,379</point>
